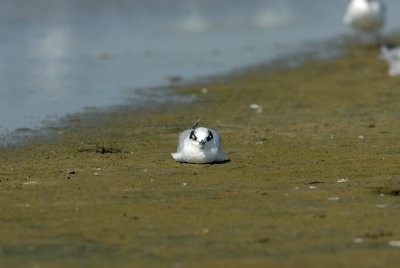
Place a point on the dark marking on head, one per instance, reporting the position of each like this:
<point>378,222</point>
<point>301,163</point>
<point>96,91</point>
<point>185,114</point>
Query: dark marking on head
<point>210,136</point>
<point>192,136</point>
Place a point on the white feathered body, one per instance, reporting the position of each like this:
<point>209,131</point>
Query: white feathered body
<point>392,58</point>
<point>191,151</point>
<point>365,15</point>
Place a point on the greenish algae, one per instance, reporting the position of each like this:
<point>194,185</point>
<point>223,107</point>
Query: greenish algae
<point>308,183</point>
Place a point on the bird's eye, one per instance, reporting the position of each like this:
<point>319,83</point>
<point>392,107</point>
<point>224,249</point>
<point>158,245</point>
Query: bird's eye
<point>210,136</point>
<point>192,136</point>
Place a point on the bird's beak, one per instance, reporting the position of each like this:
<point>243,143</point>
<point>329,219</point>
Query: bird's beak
<point>202,142</point>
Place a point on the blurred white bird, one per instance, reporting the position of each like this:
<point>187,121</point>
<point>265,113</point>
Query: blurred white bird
<point>365,16</point>
<point>392,58</point>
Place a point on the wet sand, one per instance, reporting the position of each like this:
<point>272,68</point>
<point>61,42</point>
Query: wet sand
<point>313,180</point>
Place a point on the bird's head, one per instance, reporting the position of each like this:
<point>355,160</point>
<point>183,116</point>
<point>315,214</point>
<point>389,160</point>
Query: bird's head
<point>201,136</point>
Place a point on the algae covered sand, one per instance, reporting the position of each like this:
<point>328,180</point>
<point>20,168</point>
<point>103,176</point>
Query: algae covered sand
<point>313,179</point>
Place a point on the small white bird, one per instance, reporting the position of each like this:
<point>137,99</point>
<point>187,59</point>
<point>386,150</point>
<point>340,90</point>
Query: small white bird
<point>367,16</point>
<point>199,145</point>
<point>392,58</point>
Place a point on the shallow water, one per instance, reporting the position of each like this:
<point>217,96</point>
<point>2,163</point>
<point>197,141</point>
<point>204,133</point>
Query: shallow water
<point>59,57</point>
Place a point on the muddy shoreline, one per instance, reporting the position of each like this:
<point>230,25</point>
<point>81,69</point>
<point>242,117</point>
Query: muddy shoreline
<point>313,178</point>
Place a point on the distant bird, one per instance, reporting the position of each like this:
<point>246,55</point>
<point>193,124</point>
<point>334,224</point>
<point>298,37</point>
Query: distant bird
<point>365,16</point>
<point>392,58</point>
<point>199,145</point>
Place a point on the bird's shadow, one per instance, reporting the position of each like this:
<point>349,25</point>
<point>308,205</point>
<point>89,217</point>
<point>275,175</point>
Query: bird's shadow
<point>213,163</point>
<point>220,163</point>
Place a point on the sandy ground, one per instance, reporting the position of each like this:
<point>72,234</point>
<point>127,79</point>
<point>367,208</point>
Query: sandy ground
<point>313,181</point>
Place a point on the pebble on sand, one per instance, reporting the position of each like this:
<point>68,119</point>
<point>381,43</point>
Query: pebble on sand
<point>333,198</point>
<point>30,183</point>
<point>256,107</point>
<point>394,243</point>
